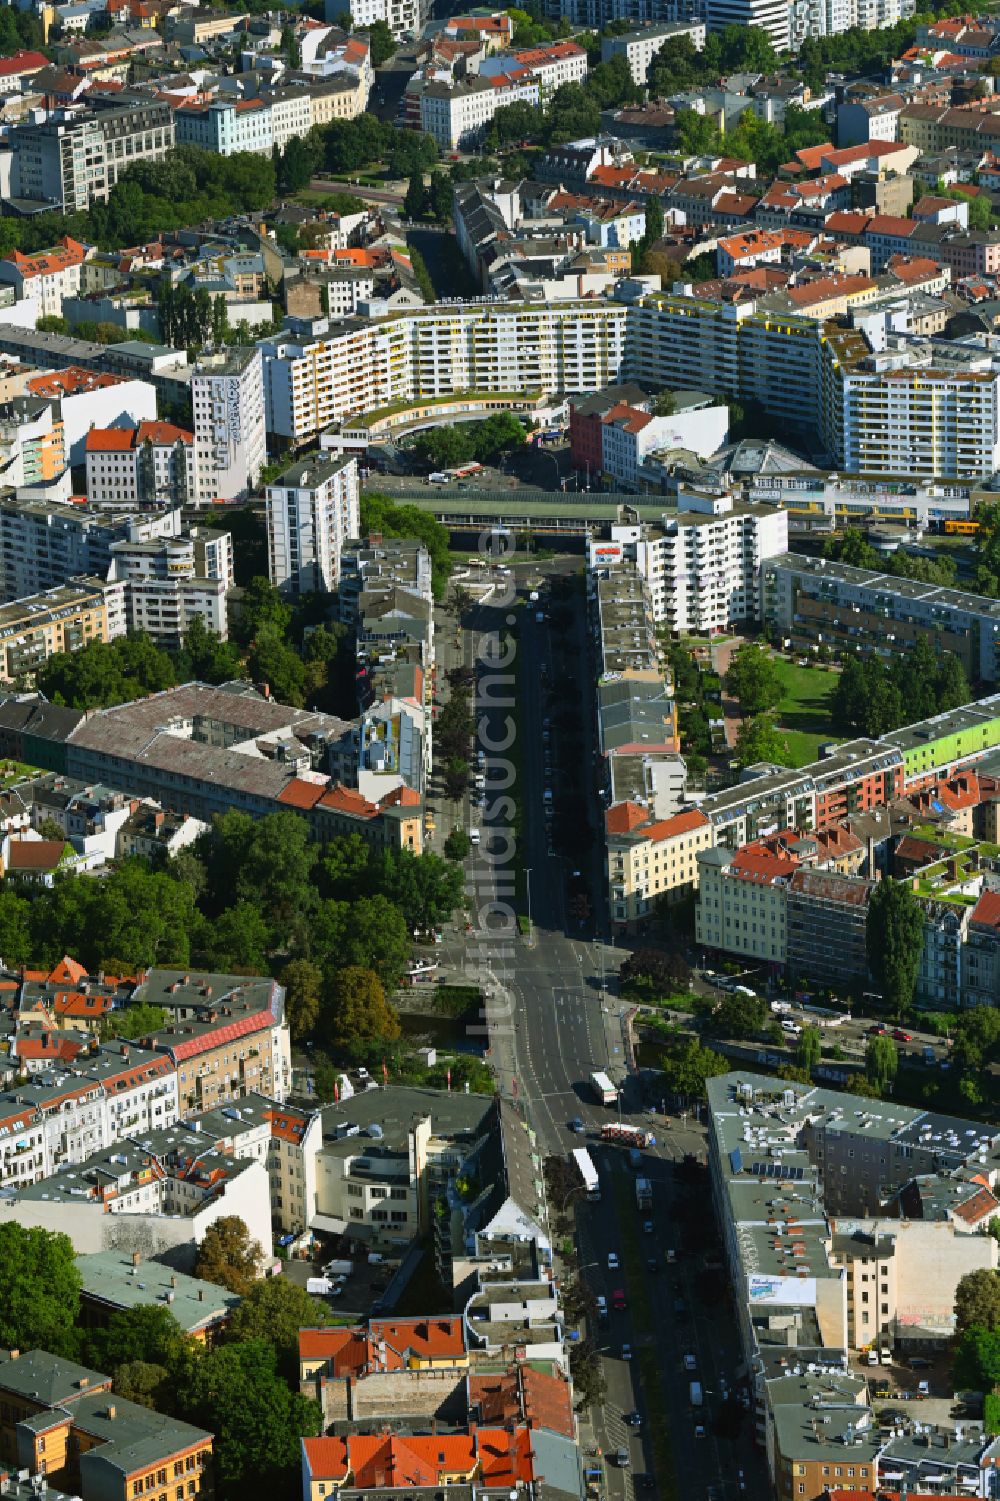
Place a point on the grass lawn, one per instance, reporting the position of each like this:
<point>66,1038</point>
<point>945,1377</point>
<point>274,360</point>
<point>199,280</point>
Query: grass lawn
<point>803,712</point>
<point>803,747</point>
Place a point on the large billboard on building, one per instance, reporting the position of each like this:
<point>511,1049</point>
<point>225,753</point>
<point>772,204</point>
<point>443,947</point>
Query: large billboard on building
<point>794,1292</point>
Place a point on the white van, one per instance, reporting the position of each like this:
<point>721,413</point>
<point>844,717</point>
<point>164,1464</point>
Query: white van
<point>791,1027</point>
<point>474,837</point>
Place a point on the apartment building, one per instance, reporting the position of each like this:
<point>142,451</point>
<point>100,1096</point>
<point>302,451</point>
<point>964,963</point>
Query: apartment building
<point>786,1162</point>
<point>641,46</point>
<point>404,18</point>
<point>18,69</point>
<point>171,583</point>
<point>742,897</point>
<point>227,1036</point>
<point>702,565</point>
<point>226,127</point>
<point>61,1420</point>
<point>69,162</point>
<point>312,511</point>
<point>59,620</point>
<point>826,929</point>
<point>318,373</point>
<point>74,1107</point>
<point>651,860</point>
<point>47,277</point>
<point>32,444</point>
<point>552,65</point>
<point>922,422</point>
<point>816,600</point>
<point>44,544</point>
<point>770,15</point>
<point>230,440</point>
<point>149,465</point>
<point>457,114</point>
<point>91,398</point>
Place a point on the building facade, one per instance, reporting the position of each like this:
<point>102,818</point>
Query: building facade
<point>312,512</point>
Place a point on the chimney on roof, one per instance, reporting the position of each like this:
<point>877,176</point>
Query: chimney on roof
<point>13,1354</point>
<point>173,1279</point>
<point>112,1411</point>
<point>201,1295</point>
<point>83,1382</point>
<point>136,1257</point>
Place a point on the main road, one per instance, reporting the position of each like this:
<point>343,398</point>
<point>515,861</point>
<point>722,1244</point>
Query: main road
<point>556,1019</point>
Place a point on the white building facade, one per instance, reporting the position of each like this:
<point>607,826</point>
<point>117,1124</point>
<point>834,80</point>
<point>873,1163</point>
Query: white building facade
<point>230,444</point>
<point>312,512</point>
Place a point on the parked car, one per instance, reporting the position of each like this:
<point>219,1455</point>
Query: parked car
<point>900,1036</point>
<point>612,1261</point>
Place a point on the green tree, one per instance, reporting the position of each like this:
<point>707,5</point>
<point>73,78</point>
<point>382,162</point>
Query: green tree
<point>146,1384</point>
<point>977,1301</point>
<point>665,404</point>
<point>415,201</point>
<point>236,1392</point>
<point>740,1015</point>
<point>148,1333</point>
<point>687,1067</point>
<point>274,662</point>
<point>753,678</point>
<point>261,608</point>
<point>382,43</point>
<point>275,1310</point>
<point>357,1009</point>
<point>101,673</point>
<point>15,932</point>
<point>41,1291</point>
<point>895,938</point>
<point>977,1359</point>
<point>810,1049</point>
<point>457,844</point>
<point>758,740</point>
<point>303,983</point>
<point>228,1256</point>
<point>881,1062</point>
<point>853,549</point>
<point>695,134</point>
<point>500,434</point>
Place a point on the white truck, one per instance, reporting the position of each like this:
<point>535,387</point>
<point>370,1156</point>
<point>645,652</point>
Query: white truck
<point>697,1395</point>
<point>605,1091</point>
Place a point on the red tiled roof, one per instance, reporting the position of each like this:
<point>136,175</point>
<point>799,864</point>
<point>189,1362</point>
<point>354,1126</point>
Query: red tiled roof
<point>67,253</point>
<point>299,793</point>
<point>505,1459</point>
<point>429,1338</point>
<point>401,797</point>
<point>22,62</point>
<point>110,440</point>
<point>162,433</point>
<point>67,972</point>
<point>243,1027</point>
<point>622,818</point>
<point>680,823</point>
<point>71,382</point>
<point>982,1205</point>
<point>986,912</point>
<point>34,854</point>
<point>348,800</point>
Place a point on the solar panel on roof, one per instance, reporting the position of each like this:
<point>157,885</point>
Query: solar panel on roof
<point>736,1160</point>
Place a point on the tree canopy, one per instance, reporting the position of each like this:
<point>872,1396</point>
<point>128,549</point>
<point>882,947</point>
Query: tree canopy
<point>753,678</point>
<point>41,1290</point>
<point>895,938</point>
<point>237,1393</point>
<point>228,1255</point>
